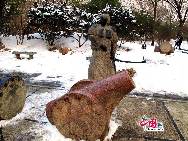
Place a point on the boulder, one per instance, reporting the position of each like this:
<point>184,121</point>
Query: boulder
<point>84,112</point>
<point>64,50</point>
<point>12,96</point>
<point>166,48</point>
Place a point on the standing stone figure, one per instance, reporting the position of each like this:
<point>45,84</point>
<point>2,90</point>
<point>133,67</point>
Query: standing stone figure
<point>2,46</point>
<point>103,45</point>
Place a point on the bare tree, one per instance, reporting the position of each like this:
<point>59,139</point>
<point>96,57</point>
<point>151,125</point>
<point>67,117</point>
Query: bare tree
<point>181,8</point>
<point>154,4</point>
<point>151,6</point>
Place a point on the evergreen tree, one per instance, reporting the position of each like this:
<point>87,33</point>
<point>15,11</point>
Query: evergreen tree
<point>13,6</point>
<point>143,26</point>
<point>51,19</point>
<point>122,20</point>
<point>2,12</point>
<point>96,5</point>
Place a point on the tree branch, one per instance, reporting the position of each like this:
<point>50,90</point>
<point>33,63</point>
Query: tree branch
<point>83,42</point>
<point>171,3</point>
<point>185,16</point>
<point>74,38</point>
<point>153,2</point>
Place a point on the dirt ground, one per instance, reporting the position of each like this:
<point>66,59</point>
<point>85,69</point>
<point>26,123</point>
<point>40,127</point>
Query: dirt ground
<point>179,111</point>
<point>173,115</point>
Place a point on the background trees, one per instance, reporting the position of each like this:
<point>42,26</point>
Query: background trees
<point>52,19</point>
<point>167,12</point>
<point>144,28</point>
<point>96,5</point>
<point>148,20</point>
<point>9,9</point>
<point>181,9</point>
<point>2,12</point>
<point>60,20</point>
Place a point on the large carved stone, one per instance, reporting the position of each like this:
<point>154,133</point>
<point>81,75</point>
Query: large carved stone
<point>85,111</point>
<point>103,45</point>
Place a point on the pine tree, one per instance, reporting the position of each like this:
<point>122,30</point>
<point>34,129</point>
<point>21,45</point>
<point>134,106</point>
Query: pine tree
<point>2,8</point>
<point>51,19</point>
<point>121,19</point>
<point>96,5</point>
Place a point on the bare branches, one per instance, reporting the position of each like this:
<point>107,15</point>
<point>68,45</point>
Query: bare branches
<point>153,2</point>
<point>172,3</point>
<point>181,8</point>
<point>185,16</point>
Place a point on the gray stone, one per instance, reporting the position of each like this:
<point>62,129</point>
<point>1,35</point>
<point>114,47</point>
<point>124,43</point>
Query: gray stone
<point>103,45</point>
<point>12,96</point>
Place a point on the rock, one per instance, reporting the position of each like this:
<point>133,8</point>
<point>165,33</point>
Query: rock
<point>157,49</point>
<point>85,111</point>
<point>6,49</point>
<point>12,96</point>
<point>166,48</point>
<point>2,46</point>
<point>52,48</point>
<point>64,50</point>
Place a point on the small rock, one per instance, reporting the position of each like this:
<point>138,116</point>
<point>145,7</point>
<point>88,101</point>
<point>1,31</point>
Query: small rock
<point>64,50</point>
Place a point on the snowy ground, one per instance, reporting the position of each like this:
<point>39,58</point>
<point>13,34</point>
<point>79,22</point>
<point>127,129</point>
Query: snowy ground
<point>161,74</point>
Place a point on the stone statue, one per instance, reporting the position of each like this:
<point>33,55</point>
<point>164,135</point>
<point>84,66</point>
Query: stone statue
<point>2,46</point>
<point>103,45</point>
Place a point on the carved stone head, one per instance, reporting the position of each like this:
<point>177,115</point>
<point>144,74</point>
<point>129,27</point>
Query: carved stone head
<point>105,19</point>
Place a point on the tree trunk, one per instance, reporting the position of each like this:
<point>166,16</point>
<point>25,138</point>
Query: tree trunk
<point>85,112</point>
<point>180,28</point>
<point>1,134</point>
<point>2,5</point>
<point>154,20</point>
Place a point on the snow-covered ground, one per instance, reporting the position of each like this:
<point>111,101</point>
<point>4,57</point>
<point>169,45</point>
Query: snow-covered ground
<point>164,74</point>
<point>161,74</point>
